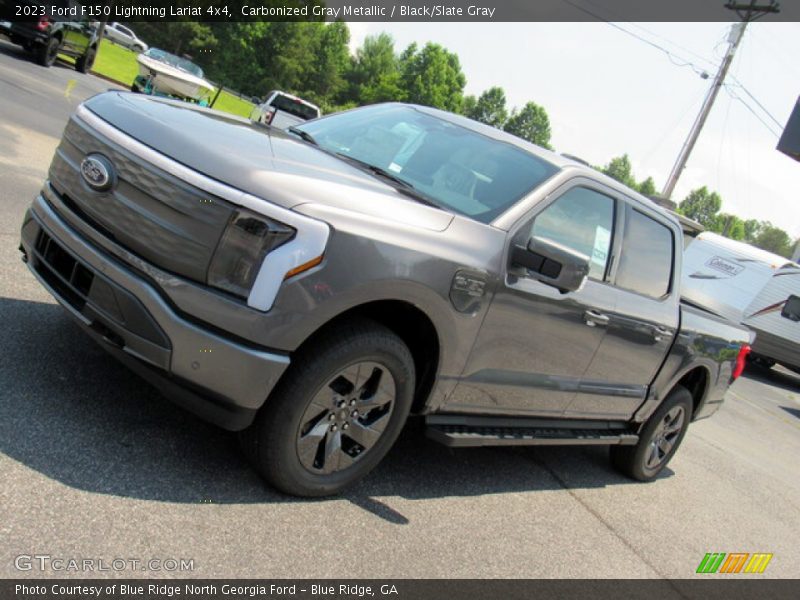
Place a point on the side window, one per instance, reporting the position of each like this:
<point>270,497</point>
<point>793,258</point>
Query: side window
<point>582,220</point>
<point>645,265</point>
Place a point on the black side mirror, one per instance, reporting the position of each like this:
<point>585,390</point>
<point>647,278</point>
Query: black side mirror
<point>552,263</point>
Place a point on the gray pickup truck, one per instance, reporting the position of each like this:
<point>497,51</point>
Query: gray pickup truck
<point>312,288</point>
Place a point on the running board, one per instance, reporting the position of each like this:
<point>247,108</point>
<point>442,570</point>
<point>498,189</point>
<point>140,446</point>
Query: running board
<point>461,435</point>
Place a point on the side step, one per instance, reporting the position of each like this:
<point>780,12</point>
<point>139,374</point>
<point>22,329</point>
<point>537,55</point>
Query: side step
<point>464,435</point>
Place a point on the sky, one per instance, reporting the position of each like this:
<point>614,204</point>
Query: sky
<point>608,93</point>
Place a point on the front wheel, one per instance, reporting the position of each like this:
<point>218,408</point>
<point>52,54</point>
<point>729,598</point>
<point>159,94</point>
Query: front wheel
<point>659,440</point>
<point>336,412</point>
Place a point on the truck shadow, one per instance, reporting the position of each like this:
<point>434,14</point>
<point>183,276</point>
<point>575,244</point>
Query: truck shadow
<point>76,416</point>
<point>776,377</point>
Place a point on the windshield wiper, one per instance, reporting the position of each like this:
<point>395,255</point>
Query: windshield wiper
<point>303,135</point>
<point>403,186</point>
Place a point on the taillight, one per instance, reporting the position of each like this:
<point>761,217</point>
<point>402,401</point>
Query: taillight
<point>270,115</point>
<point>43,23</point>
<point>741,359</point>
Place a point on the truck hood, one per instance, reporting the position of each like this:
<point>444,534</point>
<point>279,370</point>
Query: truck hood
<point>266,162</point>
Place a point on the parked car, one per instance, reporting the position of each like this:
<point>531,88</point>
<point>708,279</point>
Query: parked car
<point>751,286</point>
<point>284,110</point>
<point>124,36</point>
<point>45,38</point>
<point>312,288</point>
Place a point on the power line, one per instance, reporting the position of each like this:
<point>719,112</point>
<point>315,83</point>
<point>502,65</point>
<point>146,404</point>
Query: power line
<point>673,57</point>
<point>754,99</point>
<point>654,34</point>
<point>750,108</point>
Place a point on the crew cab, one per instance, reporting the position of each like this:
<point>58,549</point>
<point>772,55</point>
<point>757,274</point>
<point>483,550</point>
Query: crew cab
<point>312,288</point>
<point>46,36</point>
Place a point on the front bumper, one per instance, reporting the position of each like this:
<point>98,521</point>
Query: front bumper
<point>220,380</point>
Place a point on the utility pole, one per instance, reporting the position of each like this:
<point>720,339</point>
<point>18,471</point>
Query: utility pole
<point>747,12</point>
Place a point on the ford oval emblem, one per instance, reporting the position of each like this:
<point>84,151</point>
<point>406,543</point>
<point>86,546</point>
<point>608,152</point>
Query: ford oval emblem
<point>97,172</point>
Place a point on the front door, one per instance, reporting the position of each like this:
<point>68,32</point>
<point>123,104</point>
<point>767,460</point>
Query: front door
<point>536,343</point>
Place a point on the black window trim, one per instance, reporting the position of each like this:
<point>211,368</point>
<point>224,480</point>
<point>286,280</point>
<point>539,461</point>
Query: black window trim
<point>617,230</point>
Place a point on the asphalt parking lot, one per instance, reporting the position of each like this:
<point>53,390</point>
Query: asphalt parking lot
<point>95,464</point>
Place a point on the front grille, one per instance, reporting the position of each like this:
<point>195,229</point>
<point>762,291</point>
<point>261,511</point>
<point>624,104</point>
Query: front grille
<point>152,214</point>
<point>95,297</point>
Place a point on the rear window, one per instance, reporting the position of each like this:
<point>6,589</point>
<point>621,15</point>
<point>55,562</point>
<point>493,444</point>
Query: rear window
<point>645,265</point>
<point>294,107</point>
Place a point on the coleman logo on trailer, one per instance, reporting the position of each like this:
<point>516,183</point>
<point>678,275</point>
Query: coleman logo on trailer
<point>724,266</point>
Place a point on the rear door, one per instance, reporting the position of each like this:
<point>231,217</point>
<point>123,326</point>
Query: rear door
<point>641,327</point>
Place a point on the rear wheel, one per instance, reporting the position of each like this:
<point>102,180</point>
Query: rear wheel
<point>85,62</point>
<point>659,439</point>
<point>46,53</point>
<point>336,413</point>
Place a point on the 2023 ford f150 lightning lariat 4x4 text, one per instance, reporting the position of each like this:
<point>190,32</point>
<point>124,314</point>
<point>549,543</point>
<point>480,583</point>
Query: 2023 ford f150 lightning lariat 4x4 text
<point>312,288</point>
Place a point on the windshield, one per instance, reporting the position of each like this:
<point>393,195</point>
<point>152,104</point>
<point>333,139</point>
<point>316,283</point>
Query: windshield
<point>454,166</point>
<point>174,61</point>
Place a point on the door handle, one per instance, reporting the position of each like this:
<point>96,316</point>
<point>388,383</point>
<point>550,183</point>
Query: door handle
<point>594,318</point>
<point>659,333</point>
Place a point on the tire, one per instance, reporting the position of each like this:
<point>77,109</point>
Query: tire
<point>309,439</point>
<point>85,62</point>
<point>137,49</point>
<point>762,362</point>
<point>647,458</point>
<point>46,53</point>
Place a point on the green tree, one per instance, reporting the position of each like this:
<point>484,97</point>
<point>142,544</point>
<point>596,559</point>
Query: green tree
<point>752,227</point>
<point>433,77</point>
<point>180,37</point>
<point>375,73</point>
<point>619,168</point>
<point>490,108</point>
<point>468,105</point>
<point>774,239</point>
<point>325,80</point>
<point>531,123</point>
<point>702,206</point>
<point>728,225</point>
<point>647,187</point>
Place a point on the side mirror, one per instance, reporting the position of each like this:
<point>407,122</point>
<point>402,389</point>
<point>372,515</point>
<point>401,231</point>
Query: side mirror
<point>552,263</point>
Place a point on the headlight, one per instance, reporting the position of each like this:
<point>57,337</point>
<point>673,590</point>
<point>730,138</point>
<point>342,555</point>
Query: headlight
<point>247,239</point>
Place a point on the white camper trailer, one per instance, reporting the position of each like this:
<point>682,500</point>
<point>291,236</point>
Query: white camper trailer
<point>751,286</point>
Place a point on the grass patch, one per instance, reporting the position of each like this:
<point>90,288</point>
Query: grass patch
<point>119,64</point>
<point>233,104</point>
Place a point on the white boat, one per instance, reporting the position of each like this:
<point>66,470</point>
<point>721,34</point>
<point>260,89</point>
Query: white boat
<point>163,73</point>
